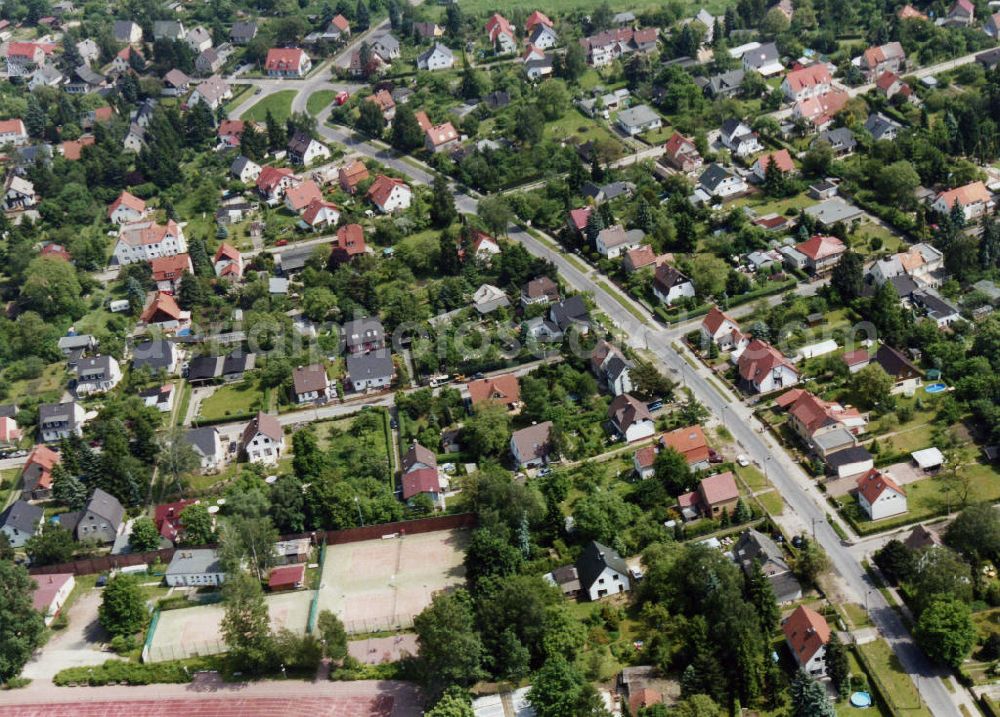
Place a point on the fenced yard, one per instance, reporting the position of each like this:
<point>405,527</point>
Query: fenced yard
<point>196,631</point>
<point>382,584</point>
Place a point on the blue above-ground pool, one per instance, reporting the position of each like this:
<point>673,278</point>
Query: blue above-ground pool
<point>861,699</point>
<point>937,387</point>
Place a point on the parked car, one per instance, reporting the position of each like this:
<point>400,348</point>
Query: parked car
<point>743,460</point>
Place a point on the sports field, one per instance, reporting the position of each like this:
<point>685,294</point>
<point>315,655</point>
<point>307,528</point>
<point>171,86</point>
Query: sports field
<point>191,631</point>
<point>376,585</point>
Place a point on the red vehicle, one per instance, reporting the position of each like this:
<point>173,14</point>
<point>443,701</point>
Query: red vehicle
<point>342,97</point>
<point>281,242</point>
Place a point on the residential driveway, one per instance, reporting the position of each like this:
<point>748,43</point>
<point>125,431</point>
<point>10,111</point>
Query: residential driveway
<point>79,644</point>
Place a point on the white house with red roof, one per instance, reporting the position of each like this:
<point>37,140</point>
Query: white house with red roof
<point>811,417</point>
<point>163,312</point>
<point>974,199</point>
<point>721,330</point>
<point>420,475</point>
<point>263,439</point>
<point>961,13</point>
<point>299,197</point>
<point>228,262</point>
<point>536,18</point>
<point>441,137</point>
<point>806,82</point>
<point>273,182</point>
<point>807,634</point>
<point>889,84</point>
<point>691,443</point>
<point>168,270</point>
<point>821,252</point>
<point>880,496</point>
<point>501,34</point>
<point>338,29</point>
<point>126,209</point>
<point>680,153</point>
<point>715,494</point>
<point>782,159</point>
<point>144,241</point>
<point>12,131</point>
<point>51,593</point>
<point>883,58</point>
<point>10,432</point>
<point>762,368</point>
<point>167,518</point>
<point>287,62</point>
<point>819,110</point>
<point>577,219</point>
<point>390,194</point>
<point>320,214</point>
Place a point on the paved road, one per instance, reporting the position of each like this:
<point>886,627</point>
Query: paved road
<point>807,506</point>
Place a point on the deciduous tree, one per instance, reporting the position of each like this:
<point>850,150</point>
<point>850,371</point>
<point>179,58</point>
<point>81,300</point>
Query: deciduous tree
<point>144,536</point>
<point>123,606</point>
<point>245,624</point>
<point>946,632</point>
<point>22,628</point>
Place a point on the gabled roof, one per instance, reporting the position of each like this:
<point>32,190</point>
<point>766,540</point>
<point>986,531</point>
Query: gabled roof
<point>418,454</point>
<point>271,177</point>
<point>715,319</point>
<point>106,506</point>
<point>579,217</point>
<point>894,362</point>
<point>161,303</point>
<point>594,559</point>
<point>128,201</point>
<point>299,197</point>
<point>782,160</point>
<point>667,277</point>
<point>874,483</point>
<point>284,59</point>
<point>759,359</point>
<point>169,268</point>
<point>806,632</point>
<point>176,78</point>
<point>505,389</point>
<point>807,77</point>
<point>382,189</point>
<point>532,442</point>
<point>422,480</point>
<point>22,516</point>
<point>306,379</point>
<point>625,411</point>
<point>225,251</point>
<point>719,488</point>
<point>265,424</point>
<point>203,440</point>
<point>441,134</point>
<point>679,144</point>
<point>965,195</point>
<point>819,247</point>
<point>535,18</point>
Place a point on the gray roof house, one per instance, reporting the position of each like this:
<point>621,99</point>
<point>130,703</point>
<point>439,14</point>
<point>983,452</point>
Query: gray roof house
<point>372,370</point>
<point>755,547</point>
<point>602,571</point>
<point>571,312</point>
<point>881,127</point>
<point>168,29</point>
<point>206,443</point>
<point>74,342</point>
<point>195,568</point>
<point>834,210</point>
<point>725,84</point>
<point>362,335</point>
<point>386,46</point>
<point>100,519</point>
<point>59,420</point>
<point>20,521</point>
<point>638,119</point>
<point>242,32</point>
<point>840,139</point>
<point>156,355</point>
<point>126,31</point>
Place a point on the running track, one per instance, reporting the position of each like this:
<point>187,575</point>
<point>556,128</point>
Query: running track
<point>229,706</point>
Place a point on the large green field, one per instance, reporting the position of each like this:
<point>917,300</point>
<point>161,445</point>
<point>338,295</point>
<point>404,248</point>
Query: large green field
<point>280,105</point>
<point>318,101</point>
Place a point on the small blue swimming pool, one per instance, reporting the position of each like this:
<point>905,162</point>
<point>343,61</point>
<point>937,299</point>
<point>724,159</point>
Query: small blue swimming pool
<point>935,387</point>
<point>861,699</point>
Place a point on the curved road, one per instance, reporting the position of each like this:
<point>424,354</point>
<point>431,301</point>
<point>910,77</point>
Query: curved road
<point>808,508</point>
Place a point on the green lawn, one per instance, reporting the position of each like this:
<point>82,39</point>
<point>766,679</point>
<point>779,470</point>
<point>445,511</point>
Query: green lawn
<point>318,101</point>
<point>578,127</point>
<point>898,688</point>
<point>232,400</point>
<point>280,105</point>
<point>772,502</point>
<point>765,206</point>
<point>48,387</point>
<point>752,477</point>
